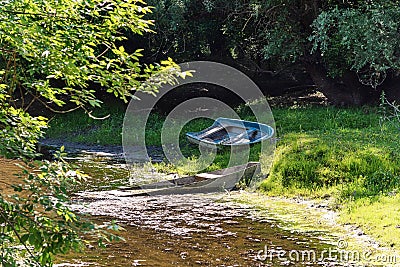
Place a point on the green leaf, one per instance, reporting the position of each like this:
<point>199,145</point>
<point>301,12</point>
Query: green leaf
<point>24,238</point>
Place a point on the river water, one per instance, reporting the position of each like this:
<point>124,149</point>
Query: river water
<point>185,230</point>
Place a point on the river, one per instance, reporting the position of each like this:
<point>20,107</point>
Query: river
<point>186,230</point>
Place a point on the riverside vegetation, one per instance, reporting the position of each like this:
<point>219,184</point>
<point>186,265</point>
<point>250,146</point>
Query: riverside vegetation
<point>347,155</point>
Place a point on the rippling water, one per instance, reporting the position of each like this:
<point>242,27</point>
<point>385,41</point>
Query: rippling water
<point>185,230</point>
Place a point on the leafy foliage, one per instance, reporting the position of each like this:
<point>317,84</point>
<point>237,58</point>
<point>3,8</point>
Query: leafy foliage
<point>339,36</point>
<point>55,52</point>
<point>38,218</point>
<point>56,49</point>
<point>186,29</point>
<point>349,35</point>
<point>19,131</point>
<point>267,30</point>
<point>366,38</point>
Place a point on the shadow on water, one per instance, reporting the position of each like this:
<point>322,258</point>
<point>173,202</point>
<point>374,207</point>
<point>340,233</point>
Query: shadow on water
<point>187,230</point>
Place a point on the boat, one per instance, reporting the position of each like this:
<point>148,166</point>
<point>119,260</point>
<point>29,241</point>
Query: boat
<point>231,132</point>
<point>222,180</point>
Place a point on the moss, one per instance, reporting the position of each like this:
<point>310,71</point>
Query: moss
<point>377,216</point>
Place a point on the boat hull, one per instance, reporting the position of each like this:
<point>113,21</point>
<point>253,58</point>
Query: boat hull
<point>231,132</point>
<point>218,181</point>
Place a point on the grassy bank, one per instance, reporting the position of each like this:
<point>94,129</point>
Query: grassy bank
<point>344,155</point>
<point>324,152</point>
<point>345,149</point>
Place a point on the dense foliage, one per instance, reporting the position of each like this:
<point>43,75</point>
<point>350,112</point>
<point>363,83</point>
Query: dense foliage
<point>364,39</point>
<point>348,47</point>
<point>56,53</point>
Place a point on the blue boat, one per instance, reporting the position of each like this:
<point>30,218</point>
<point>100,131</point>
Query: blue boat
<point>231,132</point>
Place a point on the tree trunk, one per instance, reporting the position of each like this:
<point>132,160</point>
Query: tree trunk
<point>343,91</point>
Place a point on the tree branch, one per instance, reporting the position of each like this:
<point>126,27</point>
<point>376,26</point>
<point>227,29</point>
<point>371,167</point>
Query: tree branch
<point>18,236</point>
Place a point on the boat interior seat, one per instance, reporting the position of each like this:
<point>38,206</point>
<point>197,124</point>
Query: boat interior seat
<point>249,134</point>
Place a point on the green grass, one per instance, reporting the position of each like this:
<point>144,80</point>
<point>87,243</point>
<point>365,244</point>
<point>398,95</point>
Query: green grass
<point>378,216</point>
<point>79,127</point>
<point>323,148</point>
<point>344,155</point>
<point>324,152</point>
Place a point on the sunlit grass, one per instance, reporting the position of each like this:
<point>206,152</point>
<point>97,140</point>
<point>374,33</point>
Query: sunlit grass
<point>345,155</point>
<point>378,217</point>
<point>350,154</point>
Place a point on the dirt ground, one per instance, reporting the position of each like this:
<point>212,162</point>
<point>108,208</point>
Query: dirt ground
<point>9,170</point>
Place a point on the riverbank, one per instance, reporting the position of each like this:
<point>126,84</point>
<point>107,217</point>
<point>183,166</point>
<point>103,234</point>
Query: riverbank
<point>304,214</point>
<point>347,155</point>
<point>312,215</point>
<point>247,222</point>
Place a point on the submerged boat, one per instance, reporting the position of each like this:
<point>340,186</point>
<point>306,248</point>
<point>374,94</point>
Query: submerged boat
<point>231,132</point>
<point>217,181</point>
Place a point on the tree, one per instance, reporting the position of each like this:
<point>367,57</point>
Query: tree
<point>349,48</point>
<point>54,52</point>
<point>188,29</point>
<point>357,43</point>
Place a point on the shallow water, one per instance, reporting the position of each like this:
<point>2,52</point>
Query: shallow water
<point>187,230</point>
